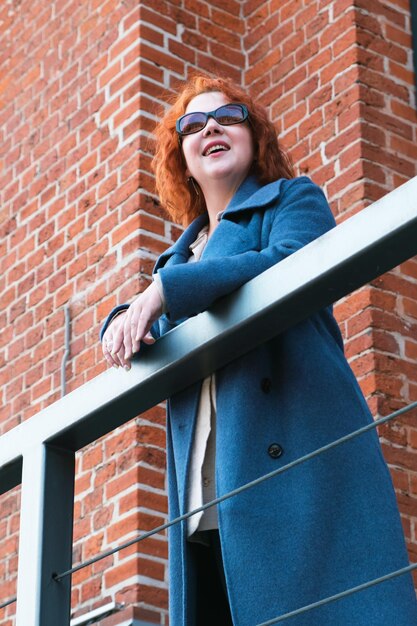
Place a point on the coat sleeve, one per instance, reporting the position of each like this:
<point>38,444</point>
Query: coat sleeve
<point>302,214</point>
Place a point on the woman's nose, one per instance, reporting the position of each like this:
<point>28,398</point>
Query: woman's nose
<point>212,127</point>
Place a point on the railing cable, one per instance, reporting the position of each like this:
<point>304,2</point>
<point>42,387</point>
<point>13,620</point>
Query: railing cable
<point>340,595</point>
<point>230,494</point>
<point>11,601</point>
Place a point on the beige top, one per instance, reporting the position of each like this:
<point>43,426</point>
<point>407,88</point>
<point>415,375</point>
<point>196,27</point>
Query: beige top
<point>202,487</point>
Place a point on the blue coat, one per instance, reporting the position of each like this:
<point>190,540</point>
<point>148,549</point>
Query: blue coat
<point>320,528</point>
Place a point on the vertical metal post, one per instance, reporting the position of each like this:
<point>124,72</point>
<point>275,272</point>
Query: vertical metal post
<point>45,545</point>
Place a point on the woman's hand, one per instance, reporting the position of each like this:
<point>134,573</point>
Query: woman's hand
<point>124,334</point>
<point>107,342</point>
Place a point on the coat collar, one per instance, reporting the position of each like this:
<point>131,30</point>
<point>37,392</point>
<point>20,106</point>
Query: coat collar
<point>252,195</point>
<point>249,196</point>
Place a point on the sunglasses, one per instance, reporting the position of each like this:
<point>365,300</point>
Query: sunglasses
<point>225,115</point>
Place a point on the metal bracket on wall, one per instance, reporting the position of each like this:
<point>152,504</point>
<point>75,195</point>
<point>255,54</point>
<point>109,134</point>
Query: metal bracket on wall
<point>95,616</point>
<point>92,617</point>
<point>67,350</point>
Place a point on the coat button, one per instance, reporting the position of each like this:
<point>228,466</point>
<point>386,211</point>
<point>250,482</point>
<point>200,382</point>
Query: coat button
<point>275,450</point>
<point>266,385</point>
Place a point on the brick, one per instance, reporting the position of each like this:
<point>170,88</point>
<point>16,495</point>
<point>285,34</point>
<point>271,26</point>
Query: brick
<point>146,499</point>
<point>261,49</point>
<point>305,16</point>
<point>250,6</point>
<point>124,78</point>
<point>400,72</point>
<point>102,518</point>
<point>340,25</point>
<point>396,163</point>
<point>82,528</point>
<point>409,268</point>
<point>132,525</point>
<point>382,47</point>
<point>156,56</point>
<point>229,21</point>
<point>82,483</point>
<point>122,572</point>
<point>219,33</point>
<point>91,589</point>
<point>258,17</point>
<point>404,111</point>
<point>373,7</point>
<point>401,37</point>
<point>149,15</point>
<point>92,501</point>
<point>92,457</point>
<point>407,148</point>
<point>378,81</point>
<point>287,10</point>
<point>235,57</point>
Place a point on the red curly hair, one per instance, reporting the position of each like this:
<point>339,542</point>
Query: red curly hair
<point>177,196</point>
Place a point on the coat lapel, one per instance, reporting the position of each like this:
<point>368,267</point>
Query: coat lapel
<point>250,196</point>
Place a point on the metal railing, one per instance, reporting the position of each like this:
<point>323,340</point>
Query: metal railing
<point>40,452</point>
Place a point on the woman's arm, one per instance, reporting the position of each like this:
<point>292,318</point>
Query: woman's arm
<point>301,215</point>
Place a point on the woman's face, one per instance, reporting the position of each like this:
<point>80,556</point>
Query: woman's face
<point>229,166</point>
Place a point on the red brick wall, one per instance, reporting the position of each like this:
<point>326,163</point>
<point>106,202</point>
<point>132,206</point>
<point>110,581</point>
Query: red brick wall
<point>81,86</point>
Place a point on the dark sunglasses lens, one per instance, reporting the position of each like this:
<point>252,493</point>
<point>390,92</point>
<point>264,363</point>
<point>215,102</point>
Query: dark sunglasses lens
<point>225,115</point>
<point>192,123</point>
<point>230,114</point>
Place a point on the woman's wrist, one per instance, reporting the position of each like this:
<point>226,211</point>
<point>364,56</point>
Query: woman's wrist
<point>158,284</point>
<point>121,308</point>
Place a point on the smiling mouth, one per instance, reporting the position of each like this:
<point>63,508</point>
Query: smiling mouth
<point>215,148</point>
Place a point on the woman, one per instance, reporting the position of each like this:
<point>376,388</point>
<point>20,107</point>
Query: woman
<point>322,527</point>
